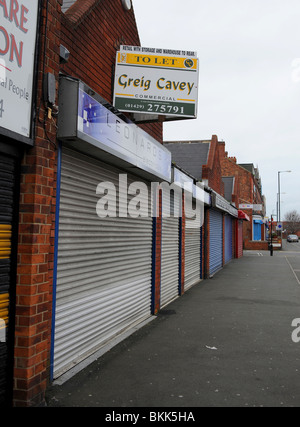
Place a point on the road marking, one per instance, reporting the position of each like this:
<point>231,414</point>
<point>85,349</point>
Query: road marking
<point>293,270</point>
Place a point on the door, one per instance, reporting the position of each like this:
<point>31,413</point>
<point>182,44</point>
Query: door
<point>169,250</point>
<point>256,230</point>
<point>192,267</point>
<point>215,241</point>
<point>8,183</point>
<point>104,265</point>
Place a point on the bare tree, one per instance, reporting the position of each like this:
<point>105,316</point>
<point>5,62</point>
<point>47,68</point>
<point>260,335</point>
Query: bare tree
<point>292,222</point>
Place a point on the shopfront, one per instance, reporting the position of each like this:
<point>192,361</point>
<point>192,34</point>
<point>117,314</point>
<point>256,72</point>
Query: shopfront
<point>104,247</point>
<point>17,90</point>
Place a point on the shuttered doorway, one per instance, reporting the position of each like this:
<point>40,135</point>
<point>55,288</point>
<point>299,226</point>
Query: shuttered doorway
<point>192,268</point>
<point>215,241</point>
<point>169,251</point>
<point>104,265</point>
<point>7,190</point>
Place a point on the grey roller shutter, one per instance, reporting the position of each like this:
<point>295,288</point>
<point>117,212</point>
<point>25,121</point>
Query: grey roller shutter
<point>215,241</point>
<point>104,265</point>
<point>169,254</point>
<point>192,273</point>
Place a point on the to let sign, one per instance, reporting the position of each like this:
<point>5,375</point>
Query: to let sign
<point>156,81</point>
<point>18,28</point>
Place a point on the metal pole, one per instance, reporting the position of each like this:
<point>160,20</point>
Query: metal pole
<point>278,218</point>
<point>271,246</point>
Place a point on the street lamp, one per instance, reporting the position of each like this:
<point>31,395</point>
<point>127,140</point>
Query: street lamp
<point>279,172</point>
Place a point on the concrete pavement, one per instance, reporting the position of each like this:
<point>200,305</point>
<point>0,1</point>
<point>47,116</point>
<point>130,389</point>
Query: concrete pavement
<point>225,342</point>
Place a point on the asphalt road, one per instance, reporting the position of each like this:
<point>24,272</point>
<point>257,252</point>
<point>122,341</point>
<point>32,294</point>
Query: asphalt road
<point>227,342</point>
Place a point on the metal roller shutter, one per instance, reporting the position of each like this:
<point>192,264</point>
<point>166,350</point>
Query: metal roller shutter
<point>228,239</point>
<point>192,273</point>
<point>104,265</point>
<point>7,185</point>
<point>169,256</point>
<point>215,241</point>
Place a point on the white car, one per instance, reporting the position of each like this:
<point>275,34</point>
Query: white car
<point>292,238</point>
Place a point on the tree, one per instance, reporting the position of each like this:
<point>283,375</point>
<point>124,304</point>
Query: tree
<point>292,220</point>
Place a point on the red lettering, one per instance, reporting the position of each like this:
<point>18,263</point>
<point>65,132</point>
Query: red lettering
<point>3,4</point>
<point>23,19</point>
<point>14,49</point>
<point>4,32</point>
<point>14,8</point>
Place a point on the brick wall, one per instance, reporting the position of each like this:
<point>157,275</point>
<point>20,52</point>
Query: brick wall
<point>93,38</point>
<point>212,170</point>
<point>36,231</point>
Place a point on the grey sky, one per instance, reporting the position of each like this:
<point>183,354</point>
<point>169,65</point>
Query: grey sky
<point>249,91</point>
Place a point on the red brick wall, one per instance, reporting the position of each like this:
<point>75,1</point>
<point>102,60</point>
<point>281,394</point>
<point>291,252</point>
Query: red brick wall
<point>93,39</point>
<point>212,170</point>
<point>36,230</point>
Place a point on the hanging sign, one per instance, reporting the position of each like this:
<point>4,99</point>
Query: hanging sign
<point>17,56</point>
<point>156,82</point>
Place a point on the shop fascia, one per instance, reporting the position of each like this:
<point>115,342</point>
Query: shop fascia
<point>222,204</point>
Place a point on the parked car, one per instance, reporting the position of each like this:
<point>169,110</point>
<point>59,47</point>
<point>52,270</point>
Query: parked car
<point>292,238</point>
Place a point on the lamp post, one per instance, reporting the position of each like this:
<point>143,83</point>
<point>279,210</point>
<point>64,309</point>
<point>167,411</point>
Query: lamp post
<point>279,172</point>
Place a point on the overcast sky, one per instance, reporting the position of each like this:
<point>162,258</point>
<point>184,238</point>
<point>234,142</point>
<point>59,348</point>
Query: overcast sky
<point>249,89</point>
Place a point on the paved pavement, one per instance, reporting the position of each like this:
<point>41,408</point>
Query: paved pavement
<point>226,342</point>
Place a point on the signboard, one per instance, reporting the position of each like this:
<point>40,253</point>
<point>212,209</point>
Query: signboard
<point>156,82</point>
<point>245,206</point>
<point>122,139</point>
<point>222,204</point>
<point>17,56</point>
<point>182,180</point>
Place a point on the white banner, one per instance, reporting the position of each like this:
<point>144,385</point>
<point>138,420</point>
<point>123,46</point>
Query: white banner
<point>18,27</point>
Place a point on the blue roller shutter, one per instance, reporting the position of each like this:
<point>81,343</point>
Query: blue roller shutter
<point>215,241</point>
<point>257,229</point>
<point>228,238</point>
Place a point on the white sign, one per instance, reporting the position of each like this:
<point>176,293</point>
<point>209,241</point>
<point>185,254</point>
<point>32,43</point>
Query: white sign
<point>245,206</point>
<point>183,180</point>
<point>156,81</point>
<point>18,27</point>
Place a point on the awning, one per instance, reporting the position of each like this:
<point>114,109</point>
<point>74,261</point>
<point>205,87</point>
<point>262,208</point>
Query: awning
<point>243,215</point>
